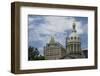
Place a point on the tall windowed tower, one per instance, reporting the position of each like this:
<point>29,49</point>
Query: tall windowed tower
<point>73,44</point>
<point>54,50</point>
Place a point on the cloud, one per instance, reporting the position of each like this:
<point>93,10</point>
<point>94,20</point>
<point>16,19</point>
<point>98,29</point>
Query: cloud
<point>60,24</point>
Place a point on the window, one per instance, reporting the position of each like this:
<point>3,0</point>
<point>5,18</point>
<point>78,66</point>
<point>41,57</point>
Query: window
<point>74,37</point>
<point>71,37</point>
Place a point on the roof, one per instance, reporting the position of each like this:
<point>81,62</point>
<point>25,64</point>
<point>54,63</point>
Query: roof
<point>74,32</point>
<point>52,40</point>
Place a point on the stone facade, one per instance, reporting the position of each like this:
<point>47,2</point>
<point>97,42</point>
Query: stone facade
<point>54,50</point>
<point>73,45</point>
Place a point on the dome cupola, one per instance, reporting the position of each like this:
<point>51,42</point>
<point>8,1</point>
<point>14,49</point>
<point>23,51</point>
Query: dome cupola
<point>74,36</point>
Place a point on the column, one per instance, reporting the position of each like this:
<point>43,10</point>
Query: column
<point>70,47</point>
<point>76,47</point>
<point>79,48</point>
<point>73,48</point>
<point>67,48</point>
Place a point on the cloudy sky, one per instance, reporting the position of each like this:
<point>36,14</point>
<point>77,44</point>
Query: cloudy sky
<point>41,28</point>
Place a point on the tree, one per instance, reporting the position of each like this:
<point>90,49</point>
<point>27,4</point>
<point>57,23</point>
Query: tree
<point>41,57</point>
<point>32,53</point>
<point>30,50</point>
<point>35,52</point>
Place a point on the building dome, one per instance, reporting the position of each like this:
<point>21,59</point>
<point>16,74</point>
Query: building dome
<point>73,36</point>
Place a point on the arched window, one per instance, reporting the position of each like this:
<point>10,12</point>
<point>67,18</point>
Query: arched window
<point>71,38</point>
<point>74,37</point>
<point>48,45</point>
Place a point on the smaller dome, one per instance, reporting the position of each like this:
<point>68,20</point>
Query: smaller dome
<point>74,35</point>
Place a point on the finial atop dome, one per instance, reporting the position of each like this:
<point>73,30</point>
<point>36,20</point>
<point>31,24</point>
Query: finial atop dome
<point>74,25</point>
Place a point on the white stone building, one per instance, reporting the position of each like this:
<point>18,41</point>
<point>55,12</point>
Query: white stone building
<point>73,45</point>
<point>54,50</point>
